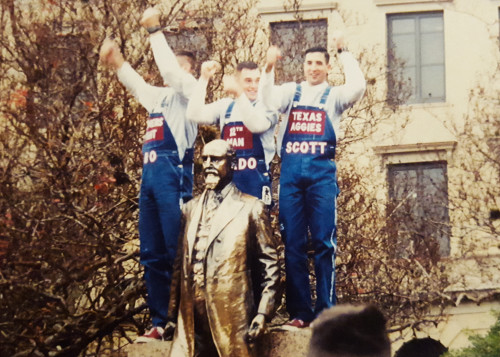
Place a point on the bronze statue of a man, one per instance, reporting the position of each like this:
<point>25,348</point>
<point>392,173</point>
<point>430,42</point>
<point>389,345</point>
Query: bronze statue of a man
<point>227,273</point>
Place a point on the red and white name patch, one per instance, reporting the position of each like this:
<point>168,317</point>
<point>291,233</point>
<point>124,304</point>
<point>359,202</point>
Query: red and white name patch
<point>305,147</point>
<point>307,122</point>
<point>238,136</point>
<point>154,129</point>
<point>243,163</point>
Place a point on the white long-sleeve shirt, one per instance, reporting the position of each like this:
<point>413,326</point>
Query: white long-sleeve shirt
<point>339,99</point>
<point>170,101</point>
<point>253,115</point>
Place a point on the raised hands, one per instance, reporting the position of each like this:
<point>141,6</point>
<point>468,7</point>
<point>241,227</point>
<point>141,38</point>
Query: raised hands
<point>273,55</point>
<point>150,18</point>
<point>338,40</point>
<point>110,54</point>
<point>208,69</point>
<point>232,86</point>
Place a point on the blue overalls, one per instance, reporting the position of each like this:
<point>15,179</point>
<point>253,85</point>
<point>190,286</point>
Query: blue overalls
<point>250,175</point>
<point>165,180</point>
<point>308,193</point>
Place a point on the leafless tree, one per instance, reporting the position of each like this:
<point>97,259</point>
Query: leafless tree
<point>70,163</point>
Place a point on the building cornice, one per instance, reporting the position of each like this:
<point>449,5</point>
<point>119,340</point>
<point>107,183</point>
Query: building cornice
<point>406,2</point>
<point>272,9</point>
<point>418,147</point>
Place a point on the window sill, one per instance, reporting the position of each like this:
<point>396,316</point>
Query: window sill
<point>428,105</point>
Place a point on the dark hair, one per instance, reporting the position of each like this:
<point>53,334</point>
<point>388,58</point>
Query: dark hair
<point>421,347</point>
<point>321,50</point>
<point>246,65</point>
<point>191,57</point>
<point>350,331</point>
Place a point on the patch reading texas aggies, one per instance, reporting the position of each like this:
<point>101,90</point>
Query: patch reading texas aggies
<point>154,128</point>
<point>306,121</point>
<point>238,136</point>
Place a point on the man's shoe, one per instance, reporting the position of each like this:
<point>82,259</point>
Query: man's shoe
<point>155,334</point>
<point>294,325</point>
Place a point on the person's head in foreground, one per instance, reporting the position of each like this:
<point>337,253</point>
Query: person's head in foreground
<point>421,347</point>
<point>350,331</point>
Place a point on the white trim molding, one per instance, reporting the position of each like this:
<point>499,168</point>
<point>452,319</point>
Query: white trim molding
<point>406,2</point>
<point>270,8</point>
<point>418,152</point>
<point>418,147</point>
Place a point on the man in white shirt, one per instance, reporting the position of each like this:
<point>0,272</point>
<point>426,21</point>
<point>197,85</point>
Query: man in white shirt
<point>244,123</point>
<point>167,175</point>
<point>308,182</point>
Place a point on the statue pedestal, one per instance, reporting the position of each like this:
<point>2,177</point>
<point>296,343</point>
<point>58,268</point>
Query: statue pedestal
<point>279,343</point>
<point>276,343</point>
<point>151,349</point>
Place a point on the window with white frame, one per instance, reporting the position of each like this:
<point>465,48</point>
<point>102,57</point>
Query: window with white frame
<point>416,51</point>
<point>419,197</point>
<point>294,38</point>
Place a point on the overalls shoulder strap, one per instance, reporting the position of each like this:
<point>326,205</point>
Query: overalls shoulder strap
<point>324,97</point>
<point>298,94</point>
<point>229,110</point>
<point>227,115</point>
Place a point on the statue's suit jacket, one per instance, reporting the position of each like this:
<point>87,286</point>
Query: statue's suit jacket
<point>240,240</point>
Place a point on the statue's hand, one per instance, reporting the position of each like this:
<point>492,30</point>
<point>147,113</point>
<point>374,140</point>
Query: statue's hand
<point>256,327</point>
<point>168,334</point>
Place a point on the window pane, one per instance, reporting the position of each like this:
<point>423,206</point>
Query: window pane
<point>432,82</point>
<point>410,80</point>
<point>432,46</point>
<point>400,26</point>
<point>404,48</point>
<point>416,41</point>
<point>405,183</point>
<point>431,23</point>
<point>420,200</point>
<point>435,201</point>
<point>433,182</point>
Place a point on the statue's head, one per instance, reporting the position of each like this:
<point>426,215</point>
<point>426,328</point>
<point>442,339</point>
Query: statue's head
<point>218,158</point>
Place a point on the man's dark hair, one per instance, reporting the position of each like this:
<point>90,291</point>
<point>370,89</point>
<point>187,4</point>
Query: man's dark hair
<point>246,65</point>
<point>421,347</point>
<point>191,57</point>
<point>321,50</point>
<point>350,331</point>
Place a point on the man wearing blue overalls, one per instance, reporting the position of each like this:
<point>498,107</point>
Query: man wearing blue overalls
<point>244,123</point>
<point>308,182</point>
<point>167,176</point>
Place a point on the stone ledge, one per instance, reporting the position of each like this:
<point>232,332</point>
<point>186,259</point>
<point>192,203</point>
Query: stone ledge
<point>151,349</point>
<point>275,343</point>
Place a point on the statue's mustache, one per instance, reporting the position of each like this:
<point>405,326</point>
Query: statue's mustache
<point>212,171</point>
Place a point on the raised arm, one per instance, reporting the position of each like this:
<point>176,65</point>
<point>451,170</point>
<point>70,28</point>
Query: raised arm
<point>355,84</point>
<point>197,111</point>
<point>111,57</point>
<point>253,116</point>
<point>274,97</point>
<point>174,75</point>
